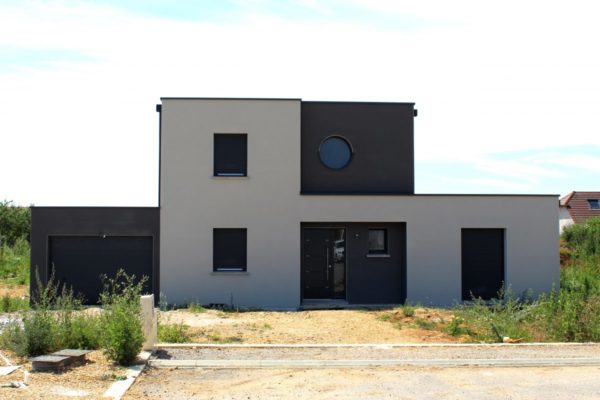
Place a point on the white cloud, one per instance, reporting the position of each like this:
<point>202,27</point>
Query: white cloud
<point>486,79</point>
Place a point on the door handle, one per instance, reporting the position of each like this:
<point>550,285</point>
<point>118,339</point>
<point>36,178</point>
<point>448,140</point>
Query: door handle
<point>327,268</point>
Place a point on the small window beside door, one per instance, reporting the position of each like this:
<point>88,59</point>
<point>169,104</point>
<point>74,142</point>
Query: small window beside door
<point>229,250</point>
<point>231,154</point>
<point>378,242</point>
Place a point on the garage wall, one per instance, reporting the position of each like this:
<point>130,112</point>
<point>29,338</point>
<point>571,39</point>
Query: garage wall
<point>47,222</point>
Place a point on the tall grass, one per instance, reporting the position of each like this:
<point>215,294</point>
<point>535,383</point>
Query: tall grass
<point>14,262</point>
<point>571,313</point>
<point>56,321</point>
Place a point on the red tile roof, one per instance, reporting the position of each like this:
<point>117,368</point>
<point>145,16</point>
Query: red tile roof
<point>578,206</point>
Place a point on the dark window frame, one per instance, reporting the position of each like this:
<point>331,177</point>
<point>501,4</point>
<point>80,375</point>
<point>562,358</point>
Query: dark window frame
<point>594,204</point>
<point>343,139</point>
<point>243,250</point>
<point>386,247</point>
<point>218,168</point>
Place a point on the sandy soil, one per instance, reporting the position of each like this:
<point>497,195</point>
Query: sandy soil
<point>88,381</point>
<point>571,383</point>
<point>326,326</point>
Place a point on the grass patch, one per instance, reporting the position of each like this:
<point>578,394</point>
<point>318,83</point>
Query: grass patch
<point>10,304</point>
<point>425,324</point>
<point>174,333</point>
<point>195,308</point>
<point>408,310</point>
<point>14,263</point>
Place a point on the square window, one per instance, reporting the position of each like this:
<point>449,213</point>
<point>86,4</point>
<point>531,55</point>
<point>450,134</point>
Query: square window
<point>230,154</point>
<point>229,249</point>
<point>378,241</point>
<point>594,204</point>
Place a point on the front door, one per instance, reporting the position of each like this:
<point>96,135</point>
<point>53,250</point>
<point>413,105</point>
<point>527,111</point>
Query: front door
<point>324,263</point>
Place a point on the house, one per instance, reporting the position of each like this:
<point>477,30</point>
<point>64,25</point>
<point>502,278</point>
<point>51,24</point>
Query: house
<point>576,207</point>
<point>284,203</point>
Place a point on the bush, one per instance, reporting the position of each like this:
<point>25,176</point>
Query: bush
<point>121,324</point>
<point>14,262</point>
<point>55,321</point>
<point>173,333</point>
<point>15,223</point>
<point>584,238</point>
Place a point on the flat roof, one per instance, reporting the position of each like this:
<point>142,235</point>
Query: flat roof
<point>287,99</point>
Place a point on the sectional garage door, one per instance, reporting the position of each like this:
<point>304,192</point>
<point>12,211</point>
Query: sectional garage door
<point>78,261</point>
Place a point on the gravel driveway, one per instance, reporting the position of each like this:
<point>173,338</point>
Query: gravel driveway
<point>573,383</point>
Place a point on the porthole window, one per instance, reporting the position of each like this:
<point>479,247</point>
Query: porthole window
<point>335,152</point>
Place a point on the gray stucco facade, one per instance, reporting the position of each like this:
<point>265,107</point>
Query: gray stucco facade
<point>268,203</point>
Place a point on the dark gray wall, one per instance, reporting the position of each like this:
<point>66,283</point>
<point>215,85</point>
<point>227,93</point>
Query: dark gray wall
<point>91,221</point>
<point>372,280</point>
<point>376,280</point>
<point>381,135</point>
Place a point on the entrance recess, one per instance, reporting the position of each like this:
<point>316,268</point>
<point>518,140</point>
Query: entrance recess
<point>324,263</point>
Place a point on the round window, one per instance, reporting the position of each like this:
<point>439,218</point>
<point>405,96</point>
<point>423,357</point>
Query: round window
<point>335,152</point>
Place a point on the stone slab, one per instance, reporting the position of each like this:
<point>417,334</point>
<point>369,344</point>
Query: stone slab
<point>75,355</point>
<point>49,363</point>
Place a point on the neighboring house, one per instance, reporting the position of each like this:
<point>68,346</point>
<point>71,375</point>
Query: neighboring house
<point>282,203</point>
<point>576,207</point>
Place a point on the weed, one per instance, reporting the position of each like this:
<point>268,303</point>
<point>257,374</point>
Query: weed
<point>10,304</point>
<point>425,324</point>
<point>196,308</point>
<point>456,327</point>
<point>121,325</point>
<point>385,317</point>
<point>173,333</point>
<point>408,310</point>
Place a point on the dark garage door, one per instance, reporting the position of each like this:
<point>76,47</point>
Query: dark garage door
<point>78,261</point>
<point>482,263</point>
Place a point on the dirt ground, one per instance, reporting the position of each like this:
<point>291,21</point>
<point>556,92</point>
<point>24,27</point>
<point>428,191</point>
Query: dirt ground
<point>14,290</point>
<point>481,383</point>
<point>88,381</point>
<point>313,327</point>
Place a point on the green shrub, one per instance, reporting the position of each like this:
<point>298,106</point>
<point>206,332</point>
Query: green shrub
<point>14,262</point>
<point>584,239</point>
<point>85,332</point>
<point>13,338</point>
<point>15,223</point>
<point>173,333</point>
<point>121,325</point>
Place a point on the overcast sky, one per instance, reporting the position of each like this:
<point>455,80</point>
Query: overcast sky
<point>508,92</point>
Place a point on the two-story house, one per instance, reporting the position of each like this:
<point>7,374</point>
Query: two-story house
<point>282,203</point>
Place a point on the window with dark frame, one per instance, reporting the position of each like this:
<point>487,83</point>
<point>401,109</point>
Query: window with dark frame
<point>594,204</point>
<point>378,241</point>
<point>230,154</point>
<point>229,249</point>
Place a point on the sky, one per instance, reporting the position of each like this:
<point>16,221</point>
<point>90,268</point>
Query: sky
<point>508,92</point>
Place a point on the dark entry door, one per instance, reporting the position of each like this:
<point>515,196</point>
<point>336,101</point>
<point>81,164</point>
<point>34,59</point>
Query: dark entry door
<point>78,261</point>
<point>324,263</point>
<point>482,263</point>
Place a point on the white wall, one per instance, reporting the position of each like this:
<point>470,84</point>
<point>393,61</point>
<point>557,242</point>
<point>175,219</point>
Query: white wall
<point>564,218</point>
<point>268,204</point>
